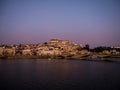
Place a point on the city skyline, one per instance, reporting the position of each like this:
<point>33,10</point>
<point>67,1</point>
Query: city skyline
<point>93,22</point>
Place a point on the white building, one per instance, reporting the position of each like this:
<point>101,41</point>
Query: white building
<point>26,52</point>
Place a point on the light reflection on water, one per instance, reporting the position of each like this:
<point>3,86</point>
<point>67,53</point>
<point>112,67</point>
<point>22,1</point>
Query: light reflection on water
<point>58,74</point>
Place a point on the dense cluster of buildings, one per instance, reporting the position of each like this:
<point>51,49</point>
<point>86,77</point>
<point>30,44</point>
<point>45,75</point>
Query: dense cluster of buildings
<point>54,47</point>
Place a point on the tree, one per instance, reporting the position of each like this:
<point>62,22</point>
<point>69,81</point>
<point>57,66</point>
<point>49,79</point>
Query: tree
<point>87,47</point>
<point>102,48</point>
<point>45,43</point>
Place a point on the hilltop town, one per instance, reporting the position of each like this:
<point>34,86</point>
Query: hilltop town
<point>56,49</point>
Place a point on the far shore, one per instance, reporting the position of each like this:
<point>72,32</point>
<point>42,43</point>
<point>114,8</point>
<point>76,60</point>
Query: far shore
<point>66,57</point>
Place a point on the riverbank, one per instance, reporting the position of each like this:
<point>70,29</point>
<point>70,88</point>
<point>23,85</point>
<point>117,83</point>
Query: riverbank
<point>67,57</point>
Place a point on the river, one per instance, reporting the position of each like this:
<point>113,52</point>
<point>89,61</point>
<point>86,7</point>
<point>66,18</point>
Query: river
<point>35,74</point>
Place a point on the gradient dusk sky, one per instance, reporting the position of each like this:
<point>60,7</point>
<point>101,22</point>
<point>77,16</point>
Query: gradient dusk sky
<point>93,22</point>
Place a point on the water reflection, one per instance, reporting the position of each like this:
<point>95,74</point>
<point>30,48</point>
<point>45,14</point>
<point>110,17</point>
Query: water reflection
<point>58,74</point>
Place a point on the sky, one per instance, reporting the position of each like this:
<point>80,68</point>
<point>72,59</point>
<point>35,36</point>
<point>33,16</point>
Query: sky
<point>93,22</point>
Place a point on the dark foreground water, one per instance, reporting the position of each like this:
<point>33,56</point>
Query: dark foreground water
<point>59,75</point>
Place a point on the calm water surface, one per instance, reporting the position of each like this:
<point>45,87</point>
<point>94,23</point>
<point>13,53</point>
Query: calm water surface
<point>59,75</point>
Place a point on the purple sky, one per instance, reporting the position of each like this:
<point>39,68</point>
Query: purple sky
<point>94,22</point>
